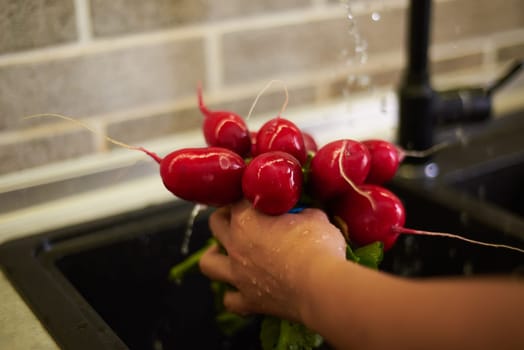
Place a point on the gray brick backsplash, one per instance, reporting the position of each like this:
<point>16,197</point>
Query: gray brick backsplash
<point>42,193</point>
<point>133,131</point>
<point>511,52</point>
<point>454,20</point>
<point>100,82</point>
<point>270,102</point>
<point>137,87</point>
<point>29,24</point>
<point>45,149</point>
<point>277,52</point>
<point>131,16</point>
<point>457,63</point>
<point>300,48</point>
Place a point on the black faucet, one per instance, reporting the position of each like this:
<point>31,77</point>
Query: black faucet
<point>421,108</point>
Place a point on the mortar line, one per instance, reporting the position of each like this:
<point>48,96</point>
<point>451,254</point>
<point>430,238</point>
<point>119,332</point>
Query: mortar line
<point>83,21</point>
<point>214,62</point>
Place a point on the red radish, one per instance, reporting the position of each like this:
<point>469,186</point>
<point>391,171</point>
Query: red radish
<point>385,159</point>
<point>384,221</point>
<point>210,176</point>
<point>272,181</point>
<point>224,129</point>
<point>279,134</point>
<point>334,165</point>
<point>309,142</point>
<point>366,224</point>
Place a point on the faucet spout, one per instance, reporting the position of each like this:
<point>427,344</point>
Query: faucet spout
<point>421,108</point>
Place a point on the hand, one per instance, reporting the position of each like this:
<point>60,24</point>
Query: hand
<point>268,257</point>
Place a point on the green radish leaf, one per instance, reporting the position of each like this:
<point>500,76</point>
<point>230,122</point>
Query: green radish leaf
<point>370,255</point>
<point>189,264</point>
<point>350,255</point>
<point>230,323</point>
<point>269,332</point>
<point>296,336</point>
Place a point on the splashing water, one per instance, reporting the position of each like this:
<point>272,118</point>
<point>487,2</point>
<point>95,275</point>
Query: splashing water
<point>355,55</point>
<point>197,209</point>
<point>375,16</point>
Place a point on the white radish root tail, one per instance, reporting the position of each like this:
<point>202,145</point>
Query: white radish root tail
<point>450,235</point>
<point>87,127</point>
<point>349,181</point>
<point>424,153</point>
<point>268,85</point>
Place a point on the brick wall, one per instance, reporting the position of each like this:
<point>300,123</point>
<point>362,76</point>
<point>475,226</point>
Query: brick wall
<point>128,68</point>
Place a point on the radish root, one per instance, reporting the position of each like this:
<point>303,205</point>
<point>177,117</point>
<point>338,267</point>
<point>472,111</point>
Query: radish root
<point>268,85</point>
<point>87,127</point>
<point>422,154</point>
<point>450,235</point>
<point>350,182</point>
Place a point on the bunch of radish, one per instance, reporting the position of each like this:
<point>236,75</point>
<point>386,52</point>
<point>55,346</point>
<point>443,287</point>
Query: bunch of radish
<point>279,168</point>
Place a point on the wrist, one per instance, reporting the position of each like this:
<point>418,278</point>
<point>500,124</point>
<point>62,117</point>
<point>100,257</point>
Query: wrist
<point>314,285</point>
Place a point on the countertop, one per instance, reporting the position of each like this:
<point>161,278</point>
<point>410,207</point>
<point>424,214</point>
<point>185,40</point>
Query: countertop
<point>19,328</point>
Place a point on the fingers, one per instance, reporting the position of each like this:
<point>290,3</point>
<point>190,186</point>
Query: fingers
<point>219,223</point>
<point>235,302</point>
<point>216,265</point>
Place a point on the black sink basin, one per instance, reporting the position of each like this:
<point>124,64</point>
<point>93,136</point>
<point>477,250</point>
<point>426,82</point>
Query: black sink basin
<point>478,193</point>
<point>104,285</point>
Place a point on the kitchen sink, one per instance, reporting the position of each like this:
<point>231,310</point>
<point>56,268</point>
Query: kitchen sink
<point>104,284</point>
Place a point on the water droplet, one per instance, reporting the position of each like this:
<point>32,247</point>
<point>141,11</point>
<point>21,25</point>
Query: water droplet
<point>431,170</point>
<point>259,293</point>
<point>254,281</point>
<point>267,290</point>
<point>292,222</point>
<point>244,262</point>
<point>306,232</point>
<point>375,16</point>
<point>324,237</point>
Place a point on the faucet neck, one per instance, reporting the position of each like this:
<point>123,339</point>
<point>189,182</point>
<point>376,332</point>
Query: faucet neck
<point>418,41</point>
<point>416,96</point>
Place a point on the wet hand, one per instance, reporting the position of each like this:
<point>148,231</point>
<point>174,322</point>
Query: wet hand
<point>268,257</point>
